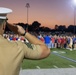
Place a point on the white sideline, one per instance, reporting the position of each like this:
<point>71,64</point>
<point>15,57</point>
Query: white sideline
<point>59,71</point>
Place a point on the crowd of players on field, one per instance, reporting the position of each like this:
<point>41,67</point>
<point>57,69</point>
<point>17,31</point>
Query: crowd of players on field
<point>52,41</point>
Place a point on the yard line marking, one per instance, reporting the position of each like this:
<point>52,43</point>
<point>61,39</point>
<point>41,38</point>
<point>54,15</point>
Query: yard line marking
<point>55,66</point>
<point>37,67</point>
<point>20,68</point>
<point>65,57</point>
<point>72,66</point>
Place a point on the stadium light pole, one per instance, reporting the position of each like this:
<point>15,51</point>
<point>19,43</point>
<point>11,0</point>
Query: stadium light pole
<point>27,6</point>
<point>74,5</point>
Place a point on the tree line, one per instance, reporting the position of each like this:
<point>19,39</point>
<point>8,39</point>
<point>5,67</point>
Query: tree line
<point>36,27</point>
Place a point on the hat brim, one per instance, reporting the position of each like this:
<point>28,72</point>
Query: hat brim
<point>5,10</point>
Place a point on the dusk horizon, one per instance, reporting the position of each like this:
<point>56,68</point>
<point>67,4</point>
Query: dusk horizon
<point>47,12</point>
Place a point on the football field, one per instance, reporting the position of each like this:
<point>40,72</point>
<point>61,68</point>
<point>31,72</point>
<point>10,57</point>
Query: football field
<point>58,58</point>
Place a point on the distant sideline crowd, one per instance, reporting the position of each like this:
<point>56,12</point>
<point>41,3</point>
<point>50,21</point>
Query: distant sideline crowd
<point>52,41</point>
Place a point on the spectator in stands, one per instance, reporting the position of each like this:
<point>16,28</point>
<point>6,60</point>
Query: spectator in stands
<point>59,42</point>
<point>47,40</point>
<point>53,42</point>
<point>74,42</point>
<point>70,43</point>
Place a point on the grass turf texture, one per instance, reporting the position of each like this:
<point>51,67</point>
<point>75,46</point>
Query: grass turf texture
<point>52,61</point>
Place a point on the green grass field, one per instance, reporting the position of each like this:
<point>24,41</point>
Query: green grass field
<point>52,61</point>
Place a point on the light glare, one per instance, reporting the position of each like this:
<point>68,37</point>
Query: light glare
<point>74,2</point>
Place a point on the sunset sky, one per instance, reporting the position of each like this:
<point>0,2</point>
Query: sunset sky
<point>47,12</point>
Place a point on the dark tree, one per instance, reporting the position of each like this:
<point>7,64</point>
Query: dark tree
<point>35,26</point>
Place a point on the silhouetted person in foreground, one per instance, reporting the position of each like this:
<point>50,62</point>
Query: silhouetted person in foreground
<point>13,53</point>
